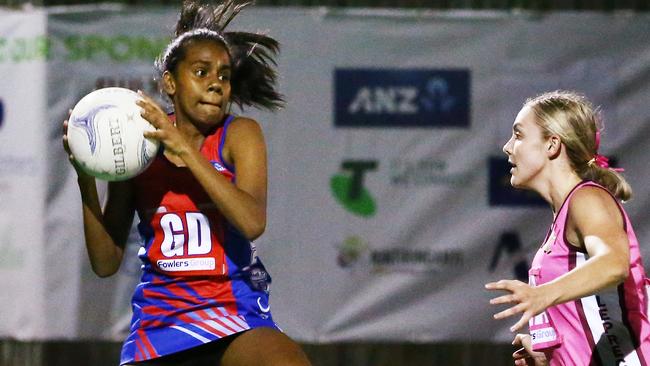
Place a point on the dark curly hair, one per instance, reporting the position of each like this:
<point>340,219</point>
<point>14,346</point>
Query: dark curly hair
<point>252,56</point>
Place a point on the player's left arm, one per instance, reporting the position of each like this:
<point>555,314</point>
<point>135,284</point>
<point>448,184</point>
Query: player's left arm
<point>243,204</point>
<point>245,149</point>
<point>596,223</point>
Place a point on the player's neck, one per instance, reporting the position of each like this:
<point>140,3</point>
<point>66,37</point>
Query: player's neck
<point>560,188</point>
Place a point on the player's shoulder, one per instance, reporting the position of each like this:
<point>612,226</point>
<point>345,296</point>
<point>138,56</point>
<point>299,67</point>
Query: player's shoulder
<point>242,121</point>
<point>592,194</point>
<point>242,126</point>
<point>593,201</point>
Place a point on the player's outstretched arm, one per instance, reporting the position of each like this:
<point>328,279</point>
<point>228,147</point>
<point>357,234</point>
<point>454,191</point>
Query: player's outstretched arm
<point>595,224</point>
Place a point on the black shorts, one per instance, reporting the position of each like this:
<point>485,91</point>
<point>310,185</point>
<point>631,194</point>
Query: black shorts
<point>205,355</point>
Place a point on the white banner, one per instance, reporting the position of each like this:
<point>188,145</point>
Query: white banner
<point>23,164</point>
<point>389,204</point>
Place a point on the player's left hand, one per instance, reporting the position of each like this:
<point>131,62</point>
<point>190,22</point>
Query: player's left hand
<point>166,132</point>
<point>528,300</point>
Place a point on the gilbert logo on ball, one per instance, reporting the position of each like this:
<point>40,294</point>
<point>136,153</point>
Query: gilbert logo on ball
<point>105,135</point>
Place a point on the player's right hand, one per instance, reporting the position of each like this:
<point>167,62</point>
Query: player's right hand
<point>66,147</point>
<point>525,356</point>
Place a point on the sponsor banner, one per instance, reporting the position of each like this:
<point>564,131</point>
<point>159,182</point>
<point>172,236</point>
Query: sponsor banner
<point>389,199</point>
<point>401,98</point>
<point>23,157</point>
<point>399,214</point>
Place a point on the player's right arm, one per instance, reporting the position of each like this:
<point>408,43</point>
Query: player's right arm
<point>107,230</point>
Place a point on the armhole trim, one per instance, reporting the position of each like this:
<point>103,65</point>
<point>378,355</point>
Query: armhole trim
<point>229,119</point>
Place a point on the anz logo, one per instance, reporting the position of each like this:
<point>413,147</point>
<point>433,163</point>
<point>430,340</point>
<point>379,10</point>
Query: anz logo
<point>402,98</point>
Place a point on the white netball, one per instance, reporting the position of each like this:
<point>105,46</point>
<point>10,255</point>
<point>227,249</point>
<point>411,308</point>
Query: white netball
<point>105,135</point>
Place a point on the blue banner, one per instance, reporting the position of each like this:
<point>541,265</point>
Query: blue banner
<point>402,98</point>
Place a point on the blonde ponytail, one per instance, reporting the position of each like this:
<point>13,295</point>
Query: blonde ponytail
<point>574,119</point>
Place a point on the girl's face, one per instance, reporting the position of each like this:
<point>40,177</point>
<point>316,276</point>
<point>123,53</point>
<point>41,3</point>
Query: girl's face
<point>526,150</point>
<point>200,86</point>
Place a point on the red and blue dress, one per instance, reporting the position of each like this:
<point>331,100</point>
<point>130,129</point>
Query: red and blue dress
<point>201,280</point>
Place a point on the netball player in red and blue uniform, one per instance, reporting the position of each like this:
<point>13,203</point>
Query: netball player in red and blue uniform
<point>203,296</point>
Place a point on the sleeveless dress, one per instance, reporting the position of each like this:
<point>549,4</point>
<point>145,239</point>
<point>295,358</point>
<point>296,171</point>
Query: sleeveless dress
<point>607,328</point>
<point>202,279</point>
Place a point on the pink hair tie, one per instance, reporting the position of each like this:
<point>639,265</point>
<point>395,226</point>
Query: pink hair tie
<point>601,160</point>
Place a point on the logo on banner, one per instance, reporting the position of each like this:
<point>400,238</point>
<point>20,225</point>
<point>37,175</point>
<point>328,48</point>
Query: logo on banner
<point>424,172</point>
<point>24,49</point>
<point>355,251</point>
<point>351,250</point>
<point>501,193</point>
<point>117,48</point>
<point>402,98</point>
<point>510,247</point>
<point>349,189</point>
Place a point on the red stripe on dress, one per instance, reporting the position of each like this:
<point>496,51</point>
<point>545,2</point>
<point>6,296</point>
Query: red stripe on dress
<point>208,290</point>
<point>223,324</point>
<point>186,319</point>
<point>217,319</point>
<point>218,333</point>
<point>147,344</point>
<point>160,313</point>
<point>139,354</point>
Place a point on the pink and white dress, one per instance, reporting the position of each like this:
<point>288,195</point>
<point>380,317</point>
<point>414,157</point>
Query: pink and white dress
<point>608,328</point>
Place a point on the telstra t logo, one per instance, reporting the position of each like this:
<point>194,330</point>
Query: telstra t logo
<point>349,190</point>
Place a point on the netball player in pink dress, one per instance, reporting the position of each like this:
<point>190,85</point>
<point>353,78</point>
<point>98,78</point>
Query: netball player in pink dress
<point>586,302</point>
